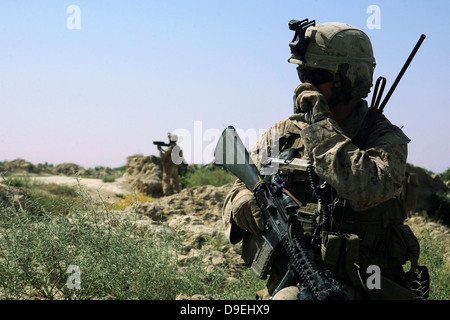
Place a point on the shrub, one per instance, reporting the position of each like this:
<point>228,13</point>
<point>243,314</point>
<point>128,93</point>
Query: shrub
<point>440,210</point>
<point>128,199</point>
<point>108,179</point>
<point>18,182</point>
<point>445,175</point>
<point>199,176</point>
<point>117,258</point>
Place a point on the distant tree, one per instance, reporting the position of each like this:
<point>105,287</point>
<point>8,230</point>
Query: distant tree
<point>445,175</point>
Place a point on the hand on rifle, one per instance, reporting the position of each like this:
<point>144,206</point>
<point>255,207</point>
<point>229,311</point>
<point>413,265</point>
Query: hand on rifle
<point>247,214</point>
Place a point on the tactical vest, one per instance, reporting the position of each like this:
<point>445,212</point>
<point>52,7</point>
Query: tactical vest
<point>357,240</point>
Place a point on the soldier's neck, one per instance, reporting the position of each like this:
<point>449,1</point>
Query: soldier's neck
<point>342,110</point>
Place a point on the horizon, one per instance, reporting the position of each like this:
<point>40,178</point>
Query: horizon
<point>92,83</point>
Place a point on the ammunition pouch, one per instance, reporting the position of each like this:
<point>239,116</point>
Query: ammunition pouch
<point>383,240</point>
<point>402,245</point>
<point>374,237</point>
<point>340,254</point>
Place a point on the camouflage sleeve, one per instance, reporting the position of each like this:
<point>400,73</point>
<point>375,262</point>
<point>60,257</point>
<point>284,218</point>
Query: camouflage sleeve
<point>237,194</point>
<point>364,178</point>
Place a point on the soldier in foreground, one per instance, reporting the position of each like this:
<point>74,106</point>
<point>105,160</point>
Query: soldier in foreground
<point>364,181</point>
<point>170,178</point>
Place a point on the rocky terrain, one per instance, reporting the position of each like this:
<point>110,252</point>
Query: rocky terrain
<point>194,214</point>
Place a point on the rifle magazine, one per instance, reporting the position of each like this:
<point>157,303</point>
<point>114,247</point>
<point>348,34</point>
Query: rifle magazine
<point>263,260</point>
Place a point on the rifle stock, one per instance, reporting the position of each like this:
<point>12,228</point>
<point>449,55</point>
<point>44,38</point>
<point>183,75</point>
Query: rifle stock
<point>231,153</point>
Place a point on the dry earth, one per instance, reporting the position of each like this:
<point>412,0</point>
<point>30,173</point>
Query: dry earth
<point>106,191</point>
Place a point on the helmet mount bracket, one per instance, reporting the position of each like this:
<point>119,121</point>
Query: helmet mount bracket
<point>299,43</point>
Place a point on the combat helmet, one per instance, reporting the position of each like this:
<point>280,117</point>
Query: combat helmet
<point>172,137</point>
<point>341,49</point>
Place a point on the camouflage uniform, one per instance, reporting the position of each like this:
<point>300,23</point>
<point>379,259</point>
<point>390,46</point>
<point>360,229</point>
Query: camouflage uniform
<point>367,222</point>
<point>170,178</point>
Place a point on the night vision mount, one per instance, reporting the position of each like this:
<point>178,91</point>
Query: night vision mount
<point>299,44</point>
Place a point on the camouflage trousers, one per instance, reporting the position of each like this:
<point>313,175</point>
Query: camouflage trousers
<point>170,181</point>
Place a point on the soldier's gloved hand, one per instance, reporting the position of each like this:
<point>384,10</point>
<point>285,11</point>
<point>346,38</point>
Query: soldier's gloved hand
<point>247,215</point>
<point>311,104</point>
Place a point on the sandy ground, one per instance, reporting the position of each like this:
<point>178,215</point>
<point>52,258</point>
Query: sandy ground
<point>96,187</point>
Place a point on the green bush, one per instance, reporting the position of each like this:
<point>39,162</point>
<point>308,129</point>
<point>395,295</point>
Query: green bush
<point>440,210</point>
<point>445,175</point>
<point>114,258</point>
<point>18,182</point>
<point>206,175</point>
<point>108,179</point>
<point>117,258</point>
<point>56,189</point>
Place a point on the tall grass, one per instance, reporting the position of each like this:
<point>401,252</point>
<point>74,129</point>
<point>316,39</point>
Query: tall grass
<point>118,257</point>
<point>434,254</point>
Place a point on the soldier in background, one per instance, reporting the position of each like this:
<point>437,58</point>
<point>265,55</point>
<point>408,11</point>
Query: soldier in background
<point>170,178</point>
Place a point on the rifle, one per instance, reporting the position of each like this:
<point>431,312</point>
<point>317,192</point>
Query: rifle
<point>161,143</point>
<point>375,110</point>
<point>277,205</point>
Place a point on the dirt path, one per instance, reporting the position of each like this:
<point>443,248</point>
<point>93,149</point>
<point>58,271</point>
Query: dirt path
<point>96,187</point>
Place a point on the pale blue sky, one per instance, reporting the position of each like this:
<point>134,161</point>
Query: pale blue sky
<point>139,69</point>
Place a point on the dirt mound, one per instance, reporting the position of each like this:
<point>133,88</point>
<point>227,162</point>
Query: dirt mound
<point>426,185</point>
<point>69,169</point>
<point>65,169</point>
<point>20,166</point>
<point>427,193</point>
<point>195,215</point>
<point>204,202</point>
<point>144,173</point>
<point>73,169</point>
